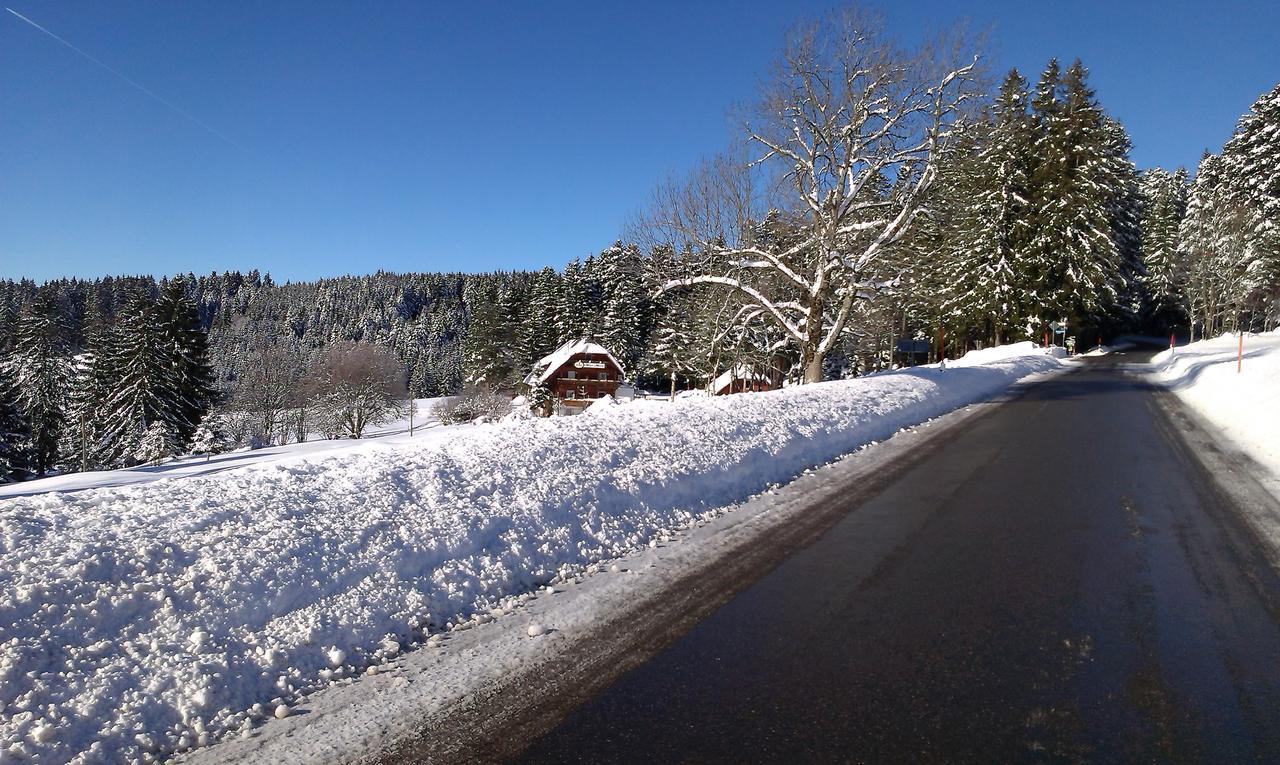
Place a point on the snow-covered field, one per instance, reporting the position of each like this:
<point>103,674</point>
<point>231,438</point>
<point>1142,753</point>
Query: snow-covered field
<point>426,427</point>
<point>140,620</point>
<point>1244,405</point>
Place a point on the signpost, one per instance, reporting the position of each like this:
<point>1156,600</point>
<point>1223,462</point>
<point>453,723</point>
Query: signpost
<point>1059,328</point>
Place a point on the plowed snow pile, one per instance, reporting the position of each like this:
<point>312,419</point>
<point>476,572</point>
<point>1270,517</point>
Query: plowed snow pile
<point>1245,405</point>
<point>140,620</point>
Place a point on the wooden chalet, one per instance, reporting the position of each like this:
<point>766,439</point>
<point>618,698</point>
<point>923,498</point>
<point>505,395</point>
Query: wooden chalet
<point>740,378</point>
<point>577,374</point>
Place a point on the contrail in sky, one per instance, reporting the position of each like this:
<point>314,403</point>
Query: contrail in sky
<point>135,84</point>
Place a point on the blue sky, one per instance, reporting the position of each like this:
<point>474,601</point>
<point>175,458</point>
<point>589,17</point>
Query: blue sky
<point>474,136</point>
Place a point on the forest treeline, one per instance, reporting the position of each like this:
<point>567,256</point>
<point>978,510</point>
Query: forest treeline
<point>1022,209</point>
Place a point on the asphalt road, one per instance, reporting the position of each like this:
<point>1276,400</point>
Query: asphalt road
<point>1062,582</point>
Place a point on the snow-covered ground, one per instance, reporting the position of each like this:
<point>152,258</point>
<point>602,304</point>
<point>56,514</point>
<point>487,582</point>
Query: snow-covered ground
<point>1244,405</point>
<point>144,619</point>
<point>426,427</point>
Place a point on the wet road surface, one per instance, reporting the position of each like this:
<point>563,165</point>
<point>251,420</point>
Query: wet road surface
<point>1061,583</point>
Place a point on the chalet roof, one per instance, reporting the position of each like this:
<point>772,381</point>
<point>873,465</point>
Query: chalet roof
<point>547,365</point>
<point>737,372</point>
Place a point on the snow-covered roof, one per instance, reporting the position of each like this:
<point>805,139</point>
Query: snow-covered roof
<point>737,372</point>
<point>547,366</point>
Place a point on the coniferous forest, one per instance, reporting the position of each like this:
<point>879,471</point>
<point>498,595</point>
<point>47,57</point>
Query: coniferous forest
<point>1030,212</point>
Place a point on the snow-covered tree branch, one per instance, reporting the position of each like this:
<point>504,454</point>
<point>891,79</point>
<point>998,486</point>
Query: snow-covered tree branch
<point>837,157</point>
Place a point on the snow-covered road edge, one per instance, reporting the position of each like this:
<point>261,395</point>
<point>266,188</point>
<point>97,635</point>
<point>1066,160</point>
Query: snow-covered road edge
<point>142,619</point>
<point>1243,407</point>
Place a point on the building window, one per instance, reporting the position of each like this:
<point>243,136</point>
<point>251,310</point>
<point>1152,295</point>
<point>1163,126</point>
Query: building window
<point>604,375</point>
<point>571,374</point>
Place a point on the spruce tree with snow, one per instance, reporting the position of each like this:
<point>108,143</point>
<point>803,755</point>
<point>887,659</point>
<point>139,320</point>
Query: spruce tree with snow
<point>1251,169</point>
<point>1073,259</point>
<point>186,345</point>
<point>148,389</point>
<point>988,184</point>
<point>15,436</point>
<point>488,350</point>
<point>1164,204</point>
<point>1124,209</point>
<point>1215,242</point>
<point>211,436</point>
<point>157,444</point>
<point>675,352</point>
<point>625,306</point>
<point>538,332</point>
<point>40,366</point>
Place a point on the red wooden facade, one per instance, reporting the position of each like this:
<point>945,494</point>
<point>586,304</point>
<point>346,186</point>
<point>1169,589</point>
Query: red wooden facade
<point>583,378</point>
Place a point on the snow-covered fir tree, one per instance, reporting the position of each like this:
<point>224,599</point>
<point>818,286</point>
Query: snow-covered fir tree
<point>1074,259</point>
<point>1251,166</point>
<point>184,342</point>
<point>147,390</point>
<point>1164,204</point>
<point>157,444</point>
<point>39,366</point>
<point>212,436</point>
<point>989,185</point>
<point>15,436</point>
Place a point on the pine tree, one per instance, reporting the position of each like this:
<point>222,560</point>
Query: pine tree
<point>158,443</point>
<point>1251,166</point>
<point>539,332</point>
<point>39,366</point>
<point>675,352</point>
<point>15,436</point>
<point>1164,204</point>
<point>1120,178</point>
<point>490,349</point>
<point>625,307</point>
<point>1073,257</point>
<point>989,184</point>
<point>211,437</point>
<point>147,390</point>
<point>184,341</point>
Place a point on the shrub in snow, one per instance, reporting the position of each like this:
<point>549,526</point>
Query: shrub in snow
<point>472,405</point>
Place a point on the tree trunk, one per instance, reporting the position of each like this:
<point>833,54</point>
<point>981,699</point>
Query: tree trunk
<point>813,372</point>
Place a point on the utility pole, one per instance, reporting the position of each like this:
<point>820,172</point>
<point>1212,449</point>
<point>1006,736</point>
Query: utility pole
<point>84,443</point>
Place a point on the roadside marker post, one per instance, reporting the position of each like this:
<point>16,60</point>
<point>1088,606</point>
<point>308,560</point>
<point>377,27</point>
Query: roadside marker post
<point>1171,342</point>
<point>1240,354</point>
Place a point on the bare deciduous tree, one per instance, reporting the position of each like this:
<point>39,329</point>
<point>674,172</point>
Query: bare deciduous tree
<point>263,395</point>
<point>844,143</point>
<point>358,385</point>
